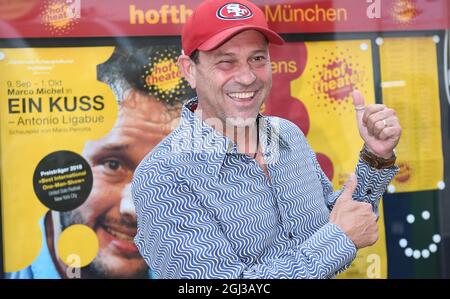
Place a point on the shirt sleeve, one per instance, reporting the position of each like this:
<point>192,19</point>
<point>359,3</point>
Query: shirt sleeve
<point>372,183</point>
<point>179,238</point>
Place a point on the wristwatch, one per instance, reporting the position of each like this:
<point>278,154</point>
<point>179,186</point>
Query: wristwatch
<point>375,161</point>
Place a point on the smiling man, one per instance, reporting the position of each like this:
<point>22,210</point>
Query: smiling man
<point>231,193</point>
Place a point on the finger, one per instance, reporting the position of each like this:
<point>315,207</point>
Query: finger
<point>350,186</point>
<point>374,237</point>
<point>374,117</point>
<point>368,208</point>
<point>370,110</point>
<point>393,127</point>
<point>364,208</point>
<point>390,133</point>
<point>384,127</point>
<point>359,104</point>
<point>378,127</point>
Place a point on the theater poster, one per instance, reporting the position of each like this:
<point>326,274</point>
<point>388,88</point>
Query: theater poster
<point>88,87</point>
<point>75,123</point>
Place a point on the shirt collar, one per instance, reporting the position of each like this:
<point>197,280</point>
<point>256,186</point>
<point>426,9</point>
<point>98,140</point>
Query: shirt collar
<point>200,139</point>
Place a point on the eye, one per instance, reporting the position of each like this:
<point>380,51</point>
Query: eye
<point>113,168</point>
<point>225,64</point>
<point>259,59</point>
<point>112,164</point>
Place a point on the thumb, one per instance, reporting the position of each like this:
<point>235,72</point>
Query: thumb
<point>350,186</point>
<point>359,104</point>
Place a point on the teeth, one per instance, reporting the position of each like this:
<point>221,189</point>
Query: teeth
<point>242,95</point>
<point>118,234</point>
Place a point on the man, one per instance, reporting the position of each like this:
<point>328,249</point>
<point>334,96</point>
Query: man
<point>143,121</point>
<point>234,194</point>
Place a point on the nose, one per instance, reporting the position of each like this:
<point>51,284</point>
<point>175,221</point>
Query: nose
<point>245,75</point>
<point>127,209</point>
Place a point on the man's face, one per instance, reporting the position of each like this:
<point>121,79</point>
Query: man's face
<point>234,80</point>
<point>141,124</point>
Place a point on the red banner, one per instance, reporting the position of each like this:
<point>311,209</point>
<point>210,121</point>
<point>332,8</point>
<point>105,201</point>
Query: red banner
<point>89,18</point>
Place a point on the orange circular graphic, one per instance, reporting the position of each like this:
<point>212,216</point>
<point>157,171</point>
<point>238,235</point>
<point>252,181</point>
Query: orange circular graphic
<point>404,173</point>
<point>405,11</point>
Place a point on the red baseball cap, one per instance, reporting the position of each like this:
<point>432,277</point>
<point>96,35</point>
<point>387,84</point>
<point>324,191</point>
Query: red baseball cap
<point>215,21</point>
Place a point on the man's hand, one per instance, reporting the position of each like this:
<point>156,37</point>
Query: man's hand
<point>378,126</point>
<point>356,219</point>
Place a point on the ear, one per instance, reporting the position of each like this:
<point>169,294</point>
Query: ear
<point>187,68</point>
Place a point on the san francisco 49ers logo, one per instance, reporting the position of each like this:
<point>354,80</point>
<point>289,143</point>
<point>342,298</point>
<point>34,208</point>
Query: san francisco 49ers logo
<point>234,11</point>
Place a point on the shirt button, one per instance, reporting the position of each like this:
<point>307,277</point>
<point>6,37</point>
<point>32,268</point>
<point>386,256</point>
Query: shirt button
<point>291,236</point>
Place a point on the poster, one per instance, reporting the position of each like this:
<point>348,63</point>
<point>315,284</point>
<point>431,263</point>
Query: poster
<point>412,89</point>
<point>75,123</point>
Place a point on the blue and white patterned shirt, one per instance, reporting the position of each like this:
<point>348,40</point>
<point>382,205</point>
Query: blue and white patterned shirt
<point>206,211</point>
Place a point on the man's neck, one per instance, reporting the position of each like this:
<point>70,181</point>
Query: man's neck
<point>245,137</point>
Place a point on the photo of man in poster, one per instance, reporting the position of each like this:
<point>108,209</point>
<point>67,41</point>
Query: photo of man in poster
<point>149,92</point>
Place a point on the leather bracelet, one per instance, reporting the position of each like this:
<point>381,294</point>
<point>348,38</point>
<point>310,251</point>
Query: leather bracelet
<point>375,161</point>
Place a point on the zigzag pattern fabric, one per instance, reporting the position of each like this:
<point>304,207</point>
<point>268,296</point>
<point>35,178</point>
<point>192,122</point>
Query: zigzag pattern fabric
<point>206,211</point>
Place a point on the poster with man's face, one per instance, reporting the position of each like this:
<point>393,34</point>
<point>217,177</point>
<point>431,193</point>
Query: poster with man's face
<point>90,115</point>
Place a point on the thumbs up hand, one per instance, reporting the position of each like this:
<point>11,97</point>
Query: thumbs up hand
<point>378,126</point>
<point>356,219</point>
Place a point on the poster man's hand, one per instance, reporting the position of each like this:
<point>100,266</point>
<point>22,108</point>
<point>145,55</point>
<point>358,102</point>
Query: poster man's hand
<point>378,126</point>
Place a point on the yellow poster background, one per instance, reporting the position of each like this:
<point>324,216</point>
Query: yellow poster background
<point>333,70</point>
<point>412,89</point>
<point>28,135</point>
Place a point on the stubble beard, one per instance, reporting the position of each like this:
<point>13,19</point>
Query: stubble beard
<point>99,267</point>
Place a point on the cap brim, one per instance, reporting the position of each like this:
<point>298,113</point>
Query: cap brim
<point>221,37</point>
